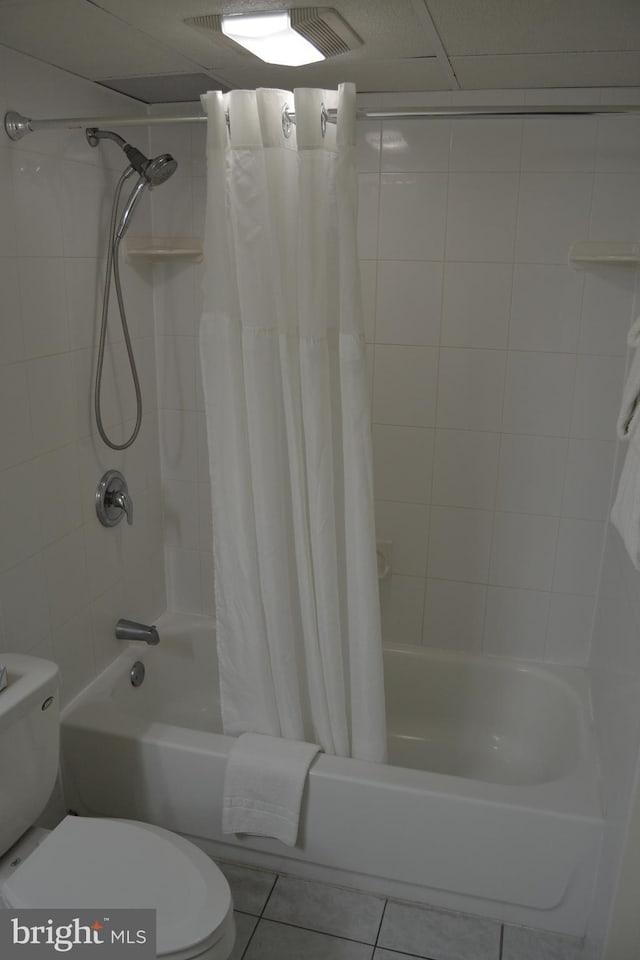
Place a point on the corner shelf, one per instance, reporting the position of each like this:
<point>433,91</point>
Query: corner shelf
<point>603,252</point>
<point>160,249</point>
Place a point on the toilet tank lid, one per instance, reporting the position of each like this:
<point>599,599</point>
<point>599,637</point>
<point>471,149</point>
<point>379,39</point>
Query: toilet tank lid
<point>88,863</point>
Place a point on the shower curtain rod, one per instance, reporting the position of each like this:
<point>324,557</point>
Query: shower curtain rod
<point>17,126</point>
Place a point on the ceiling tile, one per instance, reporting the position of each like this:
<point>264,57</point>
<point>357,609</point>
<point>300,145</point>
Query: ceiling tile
<point>548,70</point>
<point>369,76</point>
<point>467,27</point>
<point>83,39</point>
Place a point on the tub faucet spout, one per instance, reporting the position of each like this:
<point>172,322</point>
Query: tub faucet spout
<point>132,630</point>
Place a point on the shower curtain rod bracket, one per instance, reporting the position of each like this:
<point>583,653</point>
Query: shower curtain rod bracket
<point>16,125</point>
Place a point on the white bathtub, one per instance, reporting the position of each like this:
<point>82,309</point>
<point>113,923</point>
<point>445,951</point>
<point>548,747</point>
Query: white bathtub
<point>489,803</point>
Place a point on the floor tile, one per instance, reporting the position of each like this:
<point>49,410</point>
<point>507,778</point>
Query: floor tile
<point>245,925</point>
<point>278,941</point>
<point>520,943</point>
<point>439,935</point>
<point>250,888</point>
<point>318,906</point>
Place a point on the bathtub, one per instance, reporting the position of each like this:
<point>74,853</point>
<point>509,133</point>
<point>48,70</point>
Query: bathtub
<point>489,803</point>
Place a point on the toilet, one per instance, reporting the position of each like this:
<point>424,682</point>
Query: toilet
<point>88,862</point>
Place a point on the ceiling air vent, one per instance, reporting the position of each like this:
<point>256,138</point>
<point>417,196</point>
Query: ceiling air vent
<point>325,29</point>
<point>321,26</point>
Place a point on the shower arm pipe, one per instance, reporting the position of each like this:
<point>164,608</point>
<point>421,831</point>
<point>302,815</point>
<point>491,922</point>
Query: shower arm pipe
<point>17,126</point>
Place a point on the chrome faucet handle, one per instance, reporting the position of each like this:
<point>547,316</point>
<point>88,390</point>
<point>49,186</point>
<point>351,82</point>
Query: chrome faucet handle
<point>113,500</point>
<point>124,501</point>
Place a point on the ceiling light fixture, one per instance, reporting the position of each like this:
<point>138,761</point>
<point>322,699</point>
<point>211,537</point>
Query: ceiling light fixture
<point>271,37</point>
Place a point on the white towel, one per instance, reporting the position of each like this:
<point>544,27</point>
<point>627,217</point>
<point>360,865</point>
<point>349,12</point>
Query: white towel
<point>263,784</point>
<point>625,513</point>
<point>630,407</point>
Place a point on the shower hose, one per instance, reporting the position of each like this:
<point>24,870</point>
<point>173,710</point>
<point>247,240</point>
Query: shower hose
<point>113,268</point>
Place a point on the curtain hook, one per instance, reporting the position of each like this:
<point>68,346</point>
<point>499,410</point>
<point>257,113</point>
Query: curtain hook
<point>323,119</point>
<point>227,120</point>
<point>286,121</point>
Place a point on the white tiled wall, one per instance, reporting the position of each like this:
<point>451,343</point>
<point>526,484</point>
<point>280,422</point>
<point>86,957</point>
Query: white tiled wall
<point>496,372</point>
<point>64,579</point>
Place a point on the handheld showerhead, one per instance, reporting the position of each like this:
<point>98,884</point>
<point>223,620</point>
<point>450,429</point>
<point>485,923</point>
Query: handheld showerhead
<point>154,171</point>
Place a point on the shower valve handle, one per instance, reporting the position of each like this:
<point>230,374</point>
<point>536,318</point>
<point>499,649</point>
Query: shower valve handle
<point>113,500</point>
<point>124,501</point>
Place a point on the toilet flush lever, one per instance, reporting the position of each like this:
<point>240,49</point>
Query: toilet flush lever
<point>113,500</point>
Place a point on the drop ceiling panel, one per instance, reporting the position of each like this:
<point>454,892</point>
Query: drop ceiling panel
<point>468,27</point>
<point>378,75</point>
<point>388,29</point>
<point>83,39</point>
<point>548,70</point>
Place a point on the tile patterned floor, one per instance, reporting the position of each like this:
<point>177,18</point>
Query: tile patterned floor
<point>282,918</point>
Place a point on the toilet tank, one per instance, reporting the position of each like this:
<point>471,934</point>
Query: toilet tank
<point>29,743</point>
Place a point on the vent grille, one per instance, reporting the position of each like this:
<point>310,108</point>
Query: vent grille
<point>210,21</point>
<point>325,29</point>
<point>322,26</point>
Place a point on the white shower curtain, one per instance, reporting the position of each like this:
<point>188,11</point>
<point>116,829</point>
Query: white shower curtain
<point>287,413</point>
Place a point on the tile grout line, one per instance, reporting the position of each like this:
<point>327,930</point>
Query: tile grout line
<point>384,910</point>
<point>259,918</point>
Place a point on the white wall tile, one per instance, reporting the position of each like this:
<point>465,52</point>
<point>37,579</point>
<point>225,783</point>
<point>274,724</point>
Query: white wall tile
<point>20,535</point>
<point>618,150</point>
<point>172,208</point>
<point>488,143</point>
<point>465,469</point>
<point>481,218</point>
<point>368,204</point>
<point>52,400</point>
<point>606,311</point>
<point>174,299</point>
<point>402,463</point>
<point>559,143</point>
<point>569,630</point>
<point>367,146</point>
<point>412,216</point>
<point>8,234</point>
<point>23,602</point>
<point>454,615</point>
<point>404,385</point>
<point>401,609</point>
<point>470,389</point>
<point>538,393</point>
<point>545,310</point>
<point>65,568</point>
<point>176,359</point>
<point>523,551</point>
<point>406,526</point>
<point>38,225</point>
<point>178,444</point>
<point>516,623</point>
<point>475,308</point>
<point>44,306</point>
<point>613,217</point>
<point>587,483</point>
<point>459,544</point>
<point>183,579</point>
<point>597,397</point>
<point>12,336</point>
<point>415,145</point>
<point>578,556</point>
<point>73,648</point>
<point>553,210</point>
<point>368,271</point>
<point>409,302</point>
<point>16,441</point>
<point>531,474</point>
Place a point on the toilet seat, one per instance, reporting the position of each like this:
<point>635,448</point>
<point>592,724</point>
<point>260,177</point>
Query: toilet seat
<point>96,863</point>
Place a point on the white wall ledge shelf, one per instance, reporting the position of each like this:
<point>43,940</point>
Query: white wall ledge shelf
<point>603,252</point>
<point>158,249</point>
